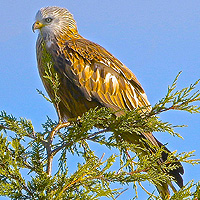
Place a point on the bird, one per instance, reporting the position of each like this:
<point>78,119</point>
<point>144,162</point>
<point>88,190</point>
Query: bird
<point>89,76</point>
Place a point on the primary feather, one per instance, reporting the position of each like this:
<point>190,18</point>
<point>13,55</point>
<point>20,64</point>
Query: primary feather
<point>89,75</point>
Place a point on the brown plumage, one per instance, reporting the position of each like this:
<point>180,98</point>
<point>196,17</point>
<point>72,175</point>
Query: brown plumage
<point>89,75</point>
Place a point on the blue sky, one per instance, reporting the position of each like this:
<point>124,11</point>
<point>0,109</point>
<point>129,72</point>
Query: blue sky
<point>155,39</point>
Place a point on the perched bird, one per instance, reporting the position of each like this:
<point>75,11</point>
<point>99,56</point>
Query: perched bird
<point>89,75</point>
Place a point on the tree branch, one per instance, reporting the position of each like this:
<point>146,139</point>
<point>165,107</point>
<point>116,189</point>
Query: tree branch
<point>48,146</point>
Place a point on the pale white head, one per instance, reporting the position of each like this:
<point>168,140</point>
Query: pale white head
<point>54,20</point>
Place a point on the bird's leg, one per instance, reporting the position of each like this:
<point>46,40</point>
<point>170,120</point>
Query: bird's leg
<point>58,112</point>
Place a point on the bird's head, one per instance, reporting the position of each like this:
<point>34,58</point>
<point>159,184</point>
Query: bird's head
<point>54,20</point>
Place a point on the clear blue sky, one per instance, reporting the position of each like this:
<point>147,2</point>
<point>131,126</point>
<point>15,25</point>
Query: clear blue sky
<point>155,39</point>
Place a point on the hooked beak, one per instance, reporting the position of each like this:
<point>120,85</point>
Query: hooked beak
<point>37,25</point>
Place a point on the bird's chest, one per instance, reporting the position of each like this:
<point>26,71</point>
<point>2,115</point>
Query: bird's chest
<point>53,64</point>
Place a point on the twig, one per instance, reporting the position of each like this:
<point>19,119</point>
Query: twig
<point>4,127</point>
<point>55,151</point>
<point>121,193</point>
<point>97,133</point>
<point>102,157</point>
<point>150,194</point>
<point>127,153</point>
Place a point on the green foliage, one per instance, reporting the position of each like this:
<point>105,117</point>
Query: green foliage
<point>92,177</point>
<point>26,151</point>
<point>179,99</point>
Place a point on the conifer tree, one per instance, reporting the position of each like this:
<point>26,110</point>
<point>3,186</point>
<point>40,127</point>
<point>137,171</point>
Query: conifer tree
<point>24,150</point>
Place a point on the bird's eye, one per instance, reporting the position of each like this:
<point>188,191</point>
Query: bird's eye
<point>48,19</point>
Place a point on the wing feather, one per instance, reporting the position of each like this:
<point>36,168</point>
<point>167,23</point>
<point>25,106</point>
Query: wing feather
<point>102,76</point>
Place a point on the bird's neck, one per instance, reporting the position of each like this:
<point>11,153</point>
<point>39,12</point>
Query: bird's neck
<point>60,38</point>
<point>70,34</point>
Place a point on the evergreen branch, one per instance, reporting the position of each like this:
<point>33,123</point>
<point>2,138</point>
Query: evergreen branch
<point>21,127</point>
<point>179,100</point>
<point>184,192</point>
<point>86,173</point>
<point>52,77</point>
<point>11,162</point>
<point>20,181</point>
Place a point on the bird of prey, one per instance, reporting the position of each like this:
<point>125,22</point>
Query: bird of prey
<point>89,76</point>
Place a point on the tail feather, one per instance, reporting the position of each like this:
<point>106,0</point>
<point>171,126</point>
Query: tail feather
<point>176,173</point>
